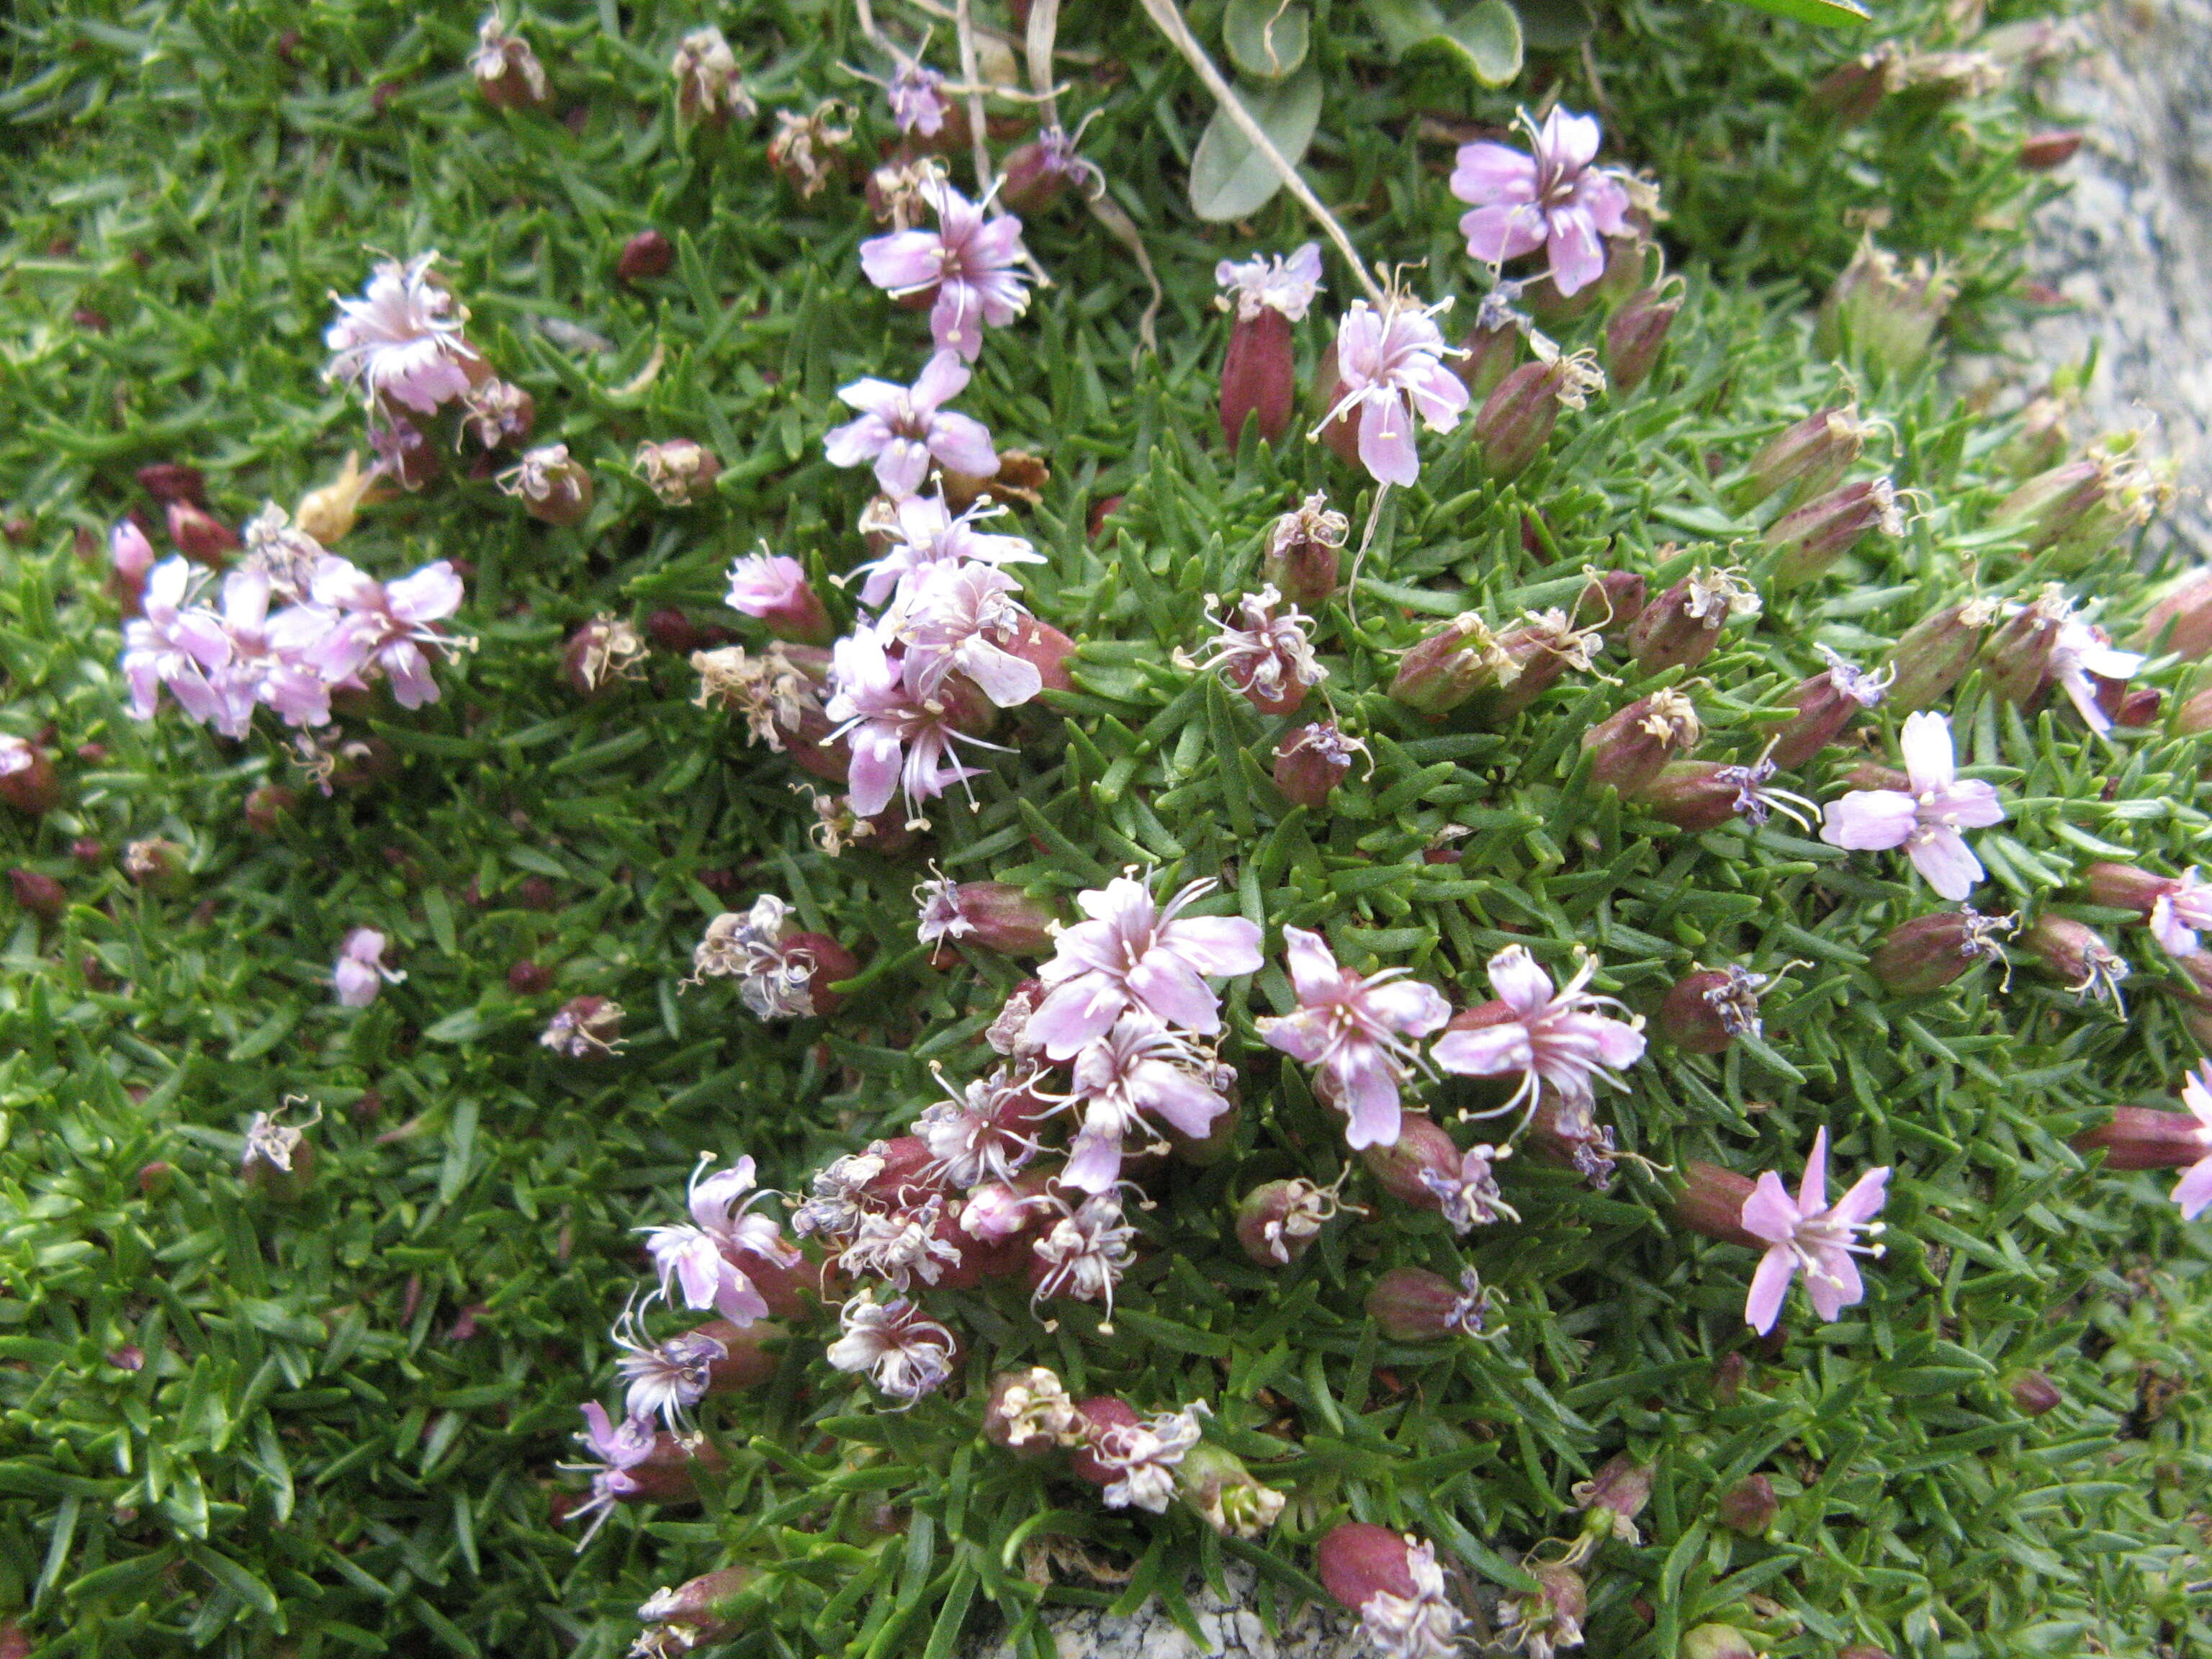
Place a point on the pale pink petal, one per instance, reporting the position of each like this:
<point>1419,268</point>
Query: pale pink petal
<point>1520,980</point>
<point>1567,141</point>
<point>1945,863</point>
<point>1094,1162</point>
<point>1869,820</point>
<point>1171,1092</point>
<point>1813,1190</point>
<point>1169,987</point>
<point>881,399</point>
<point>1769,1285</point>
<point>1439,396</point>
<point>1601,196</point>
<point>963,443</point>
<point>1411,1008</point>
<point>1377,1119</point>
<point>1864,1199</point>
<point>904,259</point>
<point>1770,1214</point>
<point>2193,1192</point>
<point>1495,235</point>
<point>1386,442</point>
<point>1219,945</point>
<point>1619,1045</point>
<point>1836,1286</point>
<point>1304,1036</point>
<point>1973,804</point>
<point>856,442</point>
<point>1577,255</point>
<point>1076,1013</point>
<point>943,378</point>
<point>872,778</point>
<point>430,594</point>
<point>1313,965</point>
<point>1929,760</point>
<point>1493,1051</point>
<point>902,466</point>
<point>1484,173</point>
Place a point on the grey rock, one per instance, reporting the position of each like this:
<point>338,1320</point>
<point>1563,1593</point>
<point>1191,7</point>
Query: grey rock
<point>1233,1629</point>
<point>2129,243</point>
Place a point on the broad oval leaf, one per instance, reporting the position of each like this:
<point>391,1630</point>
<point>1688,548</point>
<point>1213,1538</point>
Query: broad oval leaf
<point>1831,13</point>
<point>1555,25</point>
<point>1229,178</point>
<point>1266,38</point>
<point>1486,38</point>
<point>1405,24</point>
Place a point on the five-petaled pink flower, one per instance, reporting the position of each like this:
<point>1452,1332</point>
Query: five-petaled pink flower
<point>917,97</point>
<point>2193,1192</point>
<point>1137,1070</point>
<point>386,626</point>
<point>1270,283</point>
<point>1390,366</point>
<point>1354,1031</point>
<point>901,731</point>
<point>903,428</point>
<point>1807,1232</point>
<point>1548,1035</point>
<point>969,264</point>
<point>1134,953</point>
<point>704,1260</point>
<point>959,619</point>
<point>923,533</point>
<point>401,340</point>
<point>1926,821</point>
<point>1554,199</point>
<point>360,973</point>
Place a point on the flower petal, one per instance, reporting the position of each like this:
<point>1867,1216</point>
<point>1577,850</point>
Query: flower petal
<point>1769,1285</point>
<point>1929,758</point>
<point>1945,862</point>
<point>1869,820</point>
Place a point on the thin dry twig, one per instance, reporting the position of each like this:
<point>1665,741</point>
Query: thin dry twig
<point>1170,22</point>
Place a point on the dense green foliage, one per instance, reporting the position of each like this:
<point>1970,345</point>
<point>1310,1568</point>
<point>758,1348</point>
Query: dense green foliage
<point>344,1434</point>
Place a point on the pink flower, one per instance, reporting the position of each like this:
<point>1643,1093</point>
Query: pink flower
<point>995,1211</point>
<point>1084,1252</point>
<point>170,646</point>
<point>1139,1070</point>
<point>2179,913</point>
<point>1554,199</point>
<point>1548,1036</point>
<point>1266,283</point>
<point>272,659</point>
<point>700,1258</point>
<point>616,1451</point>
<point>905,1354</point>
<point>1808,1234</point>
<point>1355,1032</point>
<point>917,98</point>
<point>969,263</point>
<point>2080,656</point>
<point>1133,953</point>
<point>1141,1457</point>
<point>958,619</point>
<point>401,340</point>
<point>901,735</point>
<point>2193,1192</point>
<point>1469,1196</point>
<point>360,973</point>
<point>903,428</point>
<point>1267,657</point>
<point>980,1132</point>
<point>385,627</point>
<point>666,1378</point>
<point>1390,365</point>
<point>1925,821</point>
<point>924,532</point>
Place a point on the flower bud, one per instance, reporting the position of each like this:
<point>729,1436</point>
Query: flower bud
<point>704,1610</point>
<point>278,1160</point>
<point>267,807</point>
<point>772,588</point>
<point>199,535</point>
<point>1491,354</point>
<point>1612,1498</point>
<point>1302,555</point>
<point>2077,954</point>
<point>28,782</point>
<point>2039,152</point>
<point>553,488</point>
<point>2034,1394</point>
<point>157,864</point>
<point>529,979</point>
<point>131,557</point>
<point>996,915</point>
<point>2077,510</point>
<point>1037,174</point>
<point>2193,716</point>
<point>2127,887</point>
<point>1927,952</point>
<point>1533,658</point>
<point>170,481</point>
<point>1629,749</point>
<point>1634,334</point>
<point>1884,311</point>
<point>1807,459</point>
<point>679,471</point>
<point>1712,1202</point>
<point>155,1178</point>
<point>1310,760</point>
<point>645,256</point>
<point>1214,1482</point>
<point>1421,1145</point>
<point>1707,1010</point>
<point>40,895</point>
<point>2134,709</point>
<point>1358,1561</point>
<point>1695,796</point>
<point>1277,1221</point>
<point>2143,1138</point>
<point>1516,420</point>
<point>1825,704</point>
<point>1411,1304</point>
<point>1445,669</point>
<point>1853,90</point>
<point>1340,433</point>
<point>1257,376</point>
<point>1046,649</point>
<point>1749,1506</point>
<point>1809,539</point>
<point>1716,1642</point>
<point>1935,653</point>
<point>1682,626</point>
<point>603,651</point>
<point>2186,604</point>
<point>708,89</point>
<point>498,415</point>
